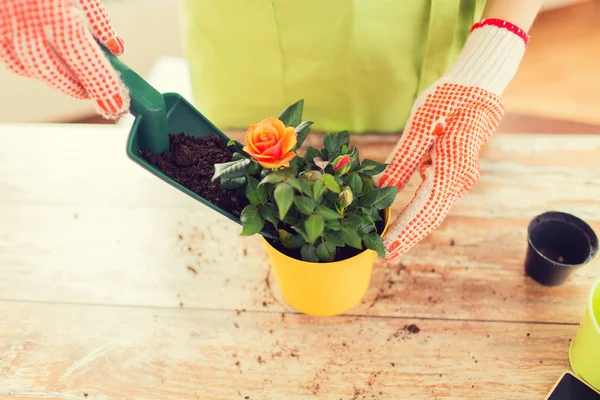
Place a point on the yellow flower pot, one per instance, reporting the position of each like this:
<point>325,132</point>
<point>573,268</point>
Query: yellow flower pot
<point>323,289</point>
<point>584,350</point>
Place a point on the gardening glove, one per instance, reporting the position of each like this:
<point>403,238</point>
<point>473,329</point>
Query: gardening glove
<point>449,124</point>
<point>54,41</point>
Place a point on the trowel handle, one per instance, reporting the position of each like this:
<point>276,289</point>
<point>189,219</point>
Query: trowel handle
<point>146,102</point>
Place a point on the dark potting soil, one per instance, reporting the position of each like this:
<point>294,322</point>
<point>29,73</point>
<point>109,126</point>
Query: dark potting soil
<point>190,161</point>
<point>342,253</point>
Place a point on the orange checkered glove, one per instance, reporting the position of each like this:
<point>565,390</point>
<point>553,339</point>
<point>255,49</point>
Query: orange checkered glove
<point>449,124</point>
<point>54,41</point>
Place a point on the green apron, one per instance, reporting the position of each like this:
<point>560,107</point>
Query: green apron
<point>358,64</point>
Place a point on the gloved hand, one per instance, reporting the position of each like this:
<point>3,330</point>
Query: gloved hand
<point>449,124</point>
<point>48,40</point>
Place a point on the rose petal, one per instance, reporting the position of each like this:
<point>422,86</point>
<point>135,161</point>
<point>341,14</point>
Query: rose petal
<point>274,151</point>
<point>248,138</point>
<point>289,139</point>
<point>263,157</point>
<point>283,161</point>
<point>263,146</point>
<point>279,127</point>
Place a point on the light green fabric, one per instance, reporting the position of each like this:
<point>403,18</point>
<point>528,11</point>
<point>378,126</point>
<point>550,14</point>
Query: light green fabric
<point>358,64</point>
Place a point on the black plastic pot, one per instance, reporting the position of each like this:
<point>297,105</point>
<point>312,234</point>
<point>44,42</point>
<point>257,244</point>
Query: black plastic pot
<point>558,244</point>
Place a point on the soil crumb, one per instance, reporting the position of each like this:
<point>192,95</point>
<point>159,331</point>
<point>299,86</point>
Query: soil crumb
<point>412,328</point>
<point>192,269</point>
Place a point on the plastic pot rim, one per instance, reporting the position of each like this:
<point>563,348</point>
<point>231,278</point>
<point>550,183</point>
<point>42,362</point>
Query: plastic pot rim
<point>582,223</point>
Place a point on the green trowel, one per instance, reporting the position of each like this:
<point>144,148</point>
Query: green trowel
<point>157,115</point>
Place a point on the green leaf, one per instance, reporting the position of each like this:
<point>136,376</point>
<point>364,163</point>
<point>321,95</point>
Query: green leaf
<point>318,189</point>
<point>309,253</point>
<point>330,198</point>
<point>273,177</point>
<point>371,168</point>
<point>297,163</point>
<point>301,232</point>
<point>294,182</point>
<point>284,196</point>
<point>253,168</point>
<point>232,169</point>
<point>237,156</point>
<point>374,242</point>
<point>252,221</point>
<point>302,130</point>
<point>331,143</point>
<point>375,215</point>
<point>292,115</point>
<point>290,241</point>
<point>352,221</point>
<point>353,151</point>
<point>380,198</point>
<point>334,238</point>
<point>345,149</point>
<point>233,183</point>
<point>330,183</point>
<point>311,154</point>
<point>284,235</point>
<point>366,227</point>
<point>314,226</point>
<point>326,251</point>
<point>305,205</point>
<point>355,184</point>
<point>334,225</point>
<point>366,214</point>
<point>367,187</point>
<point>292,218</point>
<point>351,238</point>
<point>343,139</point>
<point>255,193</point>
<point>306,187</point>
<point>269,213</point>
<point>327,213</point>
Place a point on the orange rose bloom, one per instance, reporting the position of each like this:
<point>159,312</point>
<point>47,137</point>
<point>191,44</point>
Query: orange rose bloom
<point>270,143</point>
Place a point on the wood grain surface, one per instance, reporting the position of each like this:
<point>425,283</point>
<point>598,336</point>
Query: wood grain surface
<point>115,285</point>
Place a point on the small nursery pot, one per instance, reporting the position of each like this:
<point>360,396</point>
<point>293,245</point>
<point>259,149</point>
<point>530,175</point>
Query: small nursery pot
<point>584,350</point>
<point>323,289</point>
<point>558,244</point>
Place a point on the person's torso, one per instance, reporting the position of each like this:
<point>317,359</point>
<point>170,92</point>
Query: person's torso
<point>358,64</point>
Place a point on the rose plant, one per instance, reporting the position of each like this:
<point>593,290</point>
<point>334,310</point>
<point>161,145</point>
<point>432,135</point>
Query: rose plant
<point>318,202</point>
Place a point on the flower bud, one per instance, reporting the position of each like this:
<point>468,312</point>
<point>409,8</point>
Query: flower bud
<point>342,164</point>
<point>346,197</point>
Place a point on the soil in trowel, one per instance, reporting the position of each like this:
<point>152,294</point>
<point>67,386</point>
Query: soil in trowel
<point>190,161</point>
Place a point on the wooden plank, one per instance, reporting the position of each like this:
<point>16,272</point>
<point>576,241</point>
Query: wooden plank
<point>64,351</point>
<point>89,226</point>
<point>109,256</point>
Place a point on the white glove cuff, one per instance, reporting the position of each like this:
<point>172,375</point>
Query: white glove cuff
<point>490,57</point>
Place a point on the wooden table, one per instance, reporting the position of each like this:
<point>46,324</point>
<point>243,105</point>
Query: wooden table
<point>113,285</point>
